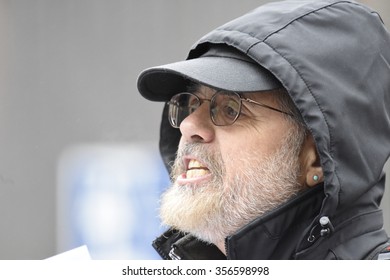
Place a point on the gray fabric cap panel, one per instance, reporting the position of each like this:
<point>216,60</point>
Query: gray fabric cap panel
<point>220,67</point>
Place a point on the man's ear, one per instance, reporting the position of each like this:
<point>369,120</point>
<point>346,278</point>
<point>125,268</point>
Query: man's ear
<point>312,173</point>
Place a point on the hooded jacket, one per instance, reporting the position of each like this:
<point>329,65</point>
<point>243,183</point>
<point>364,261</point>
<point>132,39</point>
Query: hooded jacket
<point>333,58</point>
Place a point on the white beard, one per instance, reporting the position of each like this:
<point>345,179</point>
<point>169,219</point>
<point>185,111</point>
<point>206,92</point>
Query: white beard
<point>214,210</point>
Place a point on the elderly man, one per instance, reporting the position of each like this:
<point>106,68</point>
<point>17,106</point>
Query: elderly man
<point>276,130</point>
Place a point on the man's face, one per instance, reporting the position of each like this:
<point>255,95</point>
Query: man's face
<point>226,176</point>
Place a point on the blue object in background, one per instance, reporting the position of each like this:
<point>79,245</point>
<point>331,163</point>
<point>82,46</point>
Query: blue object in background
<point>108,199</point>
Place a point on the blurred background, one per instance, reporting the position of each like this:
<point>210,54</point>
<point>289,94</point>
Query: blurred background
<point>79,162</point>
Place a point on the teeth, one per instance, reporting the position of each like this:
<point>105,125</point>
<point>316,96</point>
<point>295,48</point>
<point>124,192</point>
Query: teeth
<point>196,169</point>
<point>193,173</point>
<point>194,164</point>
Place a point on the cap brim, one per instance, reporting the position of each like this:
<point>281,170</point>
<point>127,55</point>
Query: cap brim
<point>223,72</point>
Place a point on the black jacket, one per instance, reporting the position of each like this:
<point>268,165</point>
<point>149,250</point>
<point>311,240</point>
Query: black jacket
<point>333,57</point>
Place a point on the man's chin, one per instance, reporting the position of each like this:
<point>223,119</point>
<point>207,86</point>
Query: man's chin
<point>190,211</point>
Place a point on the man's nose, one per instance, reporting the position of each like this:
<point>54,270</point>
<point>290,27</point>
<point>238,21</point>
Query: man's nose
<point>198,127</point>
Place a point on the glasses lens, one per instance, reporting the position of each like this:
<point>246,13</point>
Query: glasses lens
<point>181,106</point>
<point>225,108</point>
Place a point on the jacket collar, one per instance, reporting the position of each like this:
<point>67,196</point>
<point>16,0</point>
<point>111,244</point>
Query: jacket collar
<point>175,245</point>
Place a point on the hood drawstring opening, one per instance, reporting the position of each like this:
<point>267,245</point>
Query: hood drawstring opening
<point>326,229</point>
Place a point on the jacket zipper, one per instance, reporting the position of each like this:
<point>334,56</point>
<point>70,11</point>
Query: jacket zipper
<point>227,249</point>
<point>173,255</point>
<point>162,253</point>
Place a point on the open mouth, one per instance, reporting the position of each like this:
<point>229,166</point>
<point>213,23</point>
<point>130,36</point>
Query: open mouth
<point>195,169</point>
<point>195,172</point>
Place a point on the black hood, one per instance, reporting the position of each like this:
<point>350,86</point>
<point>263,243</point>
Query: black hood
<point>333,58</point>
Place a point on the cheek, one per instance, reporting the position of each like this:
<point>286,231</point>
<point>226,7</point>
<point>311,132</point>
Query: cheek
<point>253,145</point>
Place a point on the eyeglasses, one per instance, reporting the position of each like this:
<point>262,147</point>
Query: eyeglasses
<point>225,107</point>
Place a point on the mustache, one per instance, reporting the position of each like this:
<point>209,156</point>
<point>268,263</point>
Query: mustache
<point>212,159</point>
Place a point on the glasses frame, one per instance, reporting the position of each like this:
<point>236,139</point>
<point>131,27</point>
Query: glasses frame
<point>239,96</point>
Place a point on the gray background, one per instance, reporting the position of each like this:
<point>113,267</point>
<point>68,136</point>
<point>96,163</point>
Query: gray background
<point>68,72</point>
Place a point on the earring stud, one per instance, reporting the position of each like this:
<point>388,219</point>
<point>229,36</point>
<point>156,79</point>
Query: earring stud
<point>316,178</point>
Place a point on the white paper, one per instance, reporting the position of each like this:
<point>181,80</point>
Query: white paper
<point>79,253</point>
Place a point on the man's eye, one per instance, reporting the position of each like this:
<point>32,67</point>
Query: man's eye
<point>192,107</point>
<point>230,109</point>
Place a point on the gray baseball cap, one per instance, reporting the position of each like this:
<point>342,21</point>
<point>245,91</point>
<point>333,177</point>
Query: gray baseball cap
<point>221,67</point>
